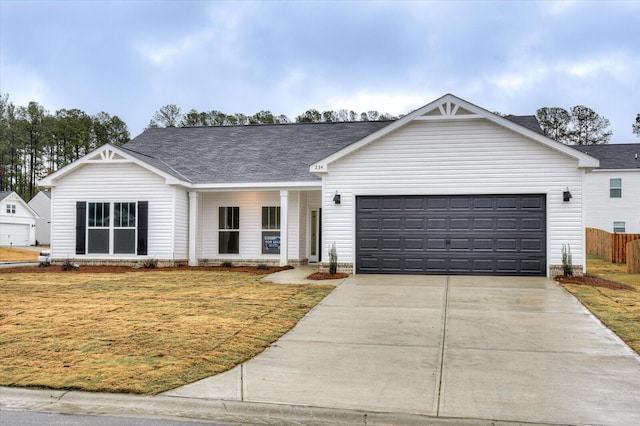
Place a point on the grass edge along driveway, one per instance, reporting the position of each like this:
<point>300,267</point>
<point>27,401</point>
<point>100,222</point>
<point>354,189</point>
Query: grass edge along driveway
<point>619,310</point>
<point>139,332</point>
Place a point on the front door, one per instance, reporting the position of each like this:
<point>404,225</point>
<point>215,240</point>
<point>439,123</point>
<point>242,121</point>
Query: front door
<point>314,237</point>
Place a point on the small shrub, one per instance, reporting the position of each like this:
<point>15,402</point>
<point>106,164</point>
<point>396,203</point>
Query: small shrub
<point>333,259</point>
<point>567,261</point>
<point>150,263</point>
<point>68,265</point>
<point>262,266</point>
<point>226,264</point>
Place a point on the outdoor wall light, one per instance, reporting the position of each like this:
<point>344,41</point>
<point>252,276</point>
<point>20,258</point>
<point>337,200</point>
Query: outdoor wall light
<point>566,195</point>
<point>336,198</point>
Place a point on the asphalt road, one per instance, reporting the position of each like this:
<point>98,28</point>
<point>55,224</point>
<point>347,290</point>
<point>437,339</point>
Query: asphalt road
<point>32,418</point>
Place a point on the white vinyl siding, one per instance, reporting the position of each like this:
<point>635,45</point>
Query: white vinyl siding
<point>451,157</point>
<point>181,226</point>
<point>14,226</point>
<point>112,182</point>
<point>601,210</point>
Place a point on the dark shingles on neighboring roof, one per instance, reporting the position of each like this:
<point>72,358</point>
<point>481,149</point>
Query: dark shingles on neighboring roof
<point>613,156</point>
<point>528,121</point>
<point>4,194</point>
<point>244,154</point>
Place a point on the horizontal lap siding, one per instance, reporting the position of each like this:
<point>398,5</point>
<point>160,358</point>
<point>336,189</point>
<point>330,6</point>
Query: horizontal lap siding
<point>449,158</point>
<point>109,183</point>
<point>250,204</point>
<point>181,230</point>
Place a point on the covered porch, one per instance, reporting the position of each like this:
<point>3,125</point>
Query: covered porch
<point>253,226</point>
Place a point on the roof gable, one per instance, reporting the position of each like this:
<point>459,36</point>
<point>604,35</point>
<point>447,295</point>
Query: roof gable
<point>110,154</point>
<point>12,196</point>
<point>450,107</point>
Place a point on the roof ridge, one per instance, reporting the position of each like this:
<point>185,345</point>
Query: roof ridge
<point>271,124</point>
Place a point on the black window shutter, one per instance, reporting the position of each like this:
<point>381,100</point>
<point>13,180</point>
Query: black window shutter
<point>143,221</point>
<point>81,226</point>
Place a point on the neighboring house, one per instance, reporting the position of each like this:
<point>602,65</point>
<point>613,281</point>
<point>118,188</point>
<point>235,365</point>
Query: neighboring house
<point>450,188</point>
<point>612,198</point>
<point>17,221</point>
<point>41,204</point>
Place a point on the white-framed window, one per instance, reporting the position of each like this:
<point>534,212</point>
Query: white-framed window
<point>111,228</point>
<point>11,209</point>
<point>615,188</point>
<point>618,227</point>
<point>229,230</point>
<point>271,230</point>
<point>99,218</point>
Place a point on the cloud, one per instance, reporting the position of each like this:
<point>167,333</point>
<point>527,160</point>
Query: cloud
<point>25,85</point>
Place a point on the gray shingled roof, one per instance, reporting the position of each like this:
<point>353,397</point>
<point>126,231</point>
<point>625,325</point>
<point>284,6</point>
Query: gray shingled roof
<point>614,156</point>
<point>259,153</point>
<point>242,154</point>
<point>528,121</point>
<point>4,194</point>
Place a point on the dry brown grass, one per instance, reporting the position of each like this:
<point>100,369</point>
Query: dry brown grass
<point>617,309</point>
<point>17,255</point>
<point>139,333</point>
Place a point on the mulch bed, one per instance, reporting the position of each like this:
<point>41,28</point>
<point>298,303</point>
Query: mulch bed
<point>89,269</point>
<point>327,276</point>
<point>593,282</point>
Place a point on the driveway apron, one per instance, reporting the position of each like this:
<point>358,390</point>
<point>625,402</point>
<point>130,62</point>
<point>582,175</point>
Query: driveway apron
<point>501,348</point>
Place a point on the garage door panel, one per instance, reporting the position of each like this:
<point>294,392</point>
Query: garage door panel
<point>480,234</point>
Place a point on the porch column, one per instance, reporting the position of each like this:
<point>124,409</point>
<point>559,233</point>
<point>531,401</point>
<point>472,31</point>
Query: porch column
<point>284,227</point>
<point>193,227</point>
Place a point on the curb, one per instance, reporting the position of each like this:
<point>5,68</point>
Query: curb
<point>171,407</point>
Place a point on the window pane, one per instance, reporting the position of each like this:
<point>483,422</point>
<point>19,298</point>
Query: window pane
<point>124,215</point>
<point>615,183</point>
<point>98,241</point>
<point>229,242</point>
<point>99,215</point>
<point>229,218</point>
<point>124,241</point>
<point>615,193</point>
<point>271,218</point>
<point>618,227</point>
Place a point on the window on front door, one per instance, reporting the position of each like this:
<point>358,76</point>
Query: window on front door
<point>229,230</point>
<point>271,230</point>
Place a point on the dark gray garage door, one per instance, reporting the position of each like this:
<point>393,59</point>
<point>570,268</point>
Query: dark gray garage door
<point>457,235</point>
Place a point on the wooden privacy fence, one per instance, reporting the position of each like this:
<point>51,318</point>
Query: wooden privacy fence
<point>611,247</point>
<point>633,257</point>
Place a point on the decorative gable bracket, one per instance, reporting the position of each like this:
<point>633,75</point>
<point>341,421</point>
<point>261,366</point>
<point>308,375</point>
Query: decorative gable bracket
<point>447,111</point>
<point>107,154</point>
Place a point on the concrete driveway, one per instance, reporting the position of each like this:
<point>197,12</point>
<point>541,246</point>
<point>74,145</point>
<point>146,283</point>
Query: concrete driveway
<point>499,348</point>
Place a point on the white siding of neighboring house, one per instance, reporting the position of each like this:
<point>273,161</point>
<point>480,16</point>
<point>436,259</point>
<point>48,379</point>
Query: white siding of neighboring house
<point>455,157</point>
<point>112,182</point>
<point>41,204</point>
<point>22,218</point>
<point>602,210</point>
<point>250,204</point>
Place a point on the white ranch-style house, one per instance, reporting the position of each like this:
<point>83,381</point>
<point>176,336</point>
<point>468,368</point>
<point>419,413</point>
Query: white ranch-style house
<point>450,188</point>
<point>17,221</point>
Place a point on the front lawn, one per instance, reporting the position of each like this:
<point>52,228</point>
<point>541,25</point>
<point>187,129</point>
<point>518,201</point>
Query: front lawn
<point>139,332</point>
<point>617,309</point>
<point>9,254</point>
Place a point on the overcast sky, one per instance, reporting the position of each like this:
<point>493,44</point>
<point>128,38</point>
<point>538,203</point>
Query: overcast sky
<point>129,58</point>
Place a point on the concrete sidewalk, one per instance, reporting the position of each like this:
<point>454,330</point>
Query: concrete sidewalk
<point>509,349</point>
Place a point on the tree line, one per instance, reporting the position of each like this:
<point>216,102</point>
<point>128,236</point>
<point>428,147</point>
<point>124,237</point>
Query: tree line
<point>35,142</point>
<point>171,116</point>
